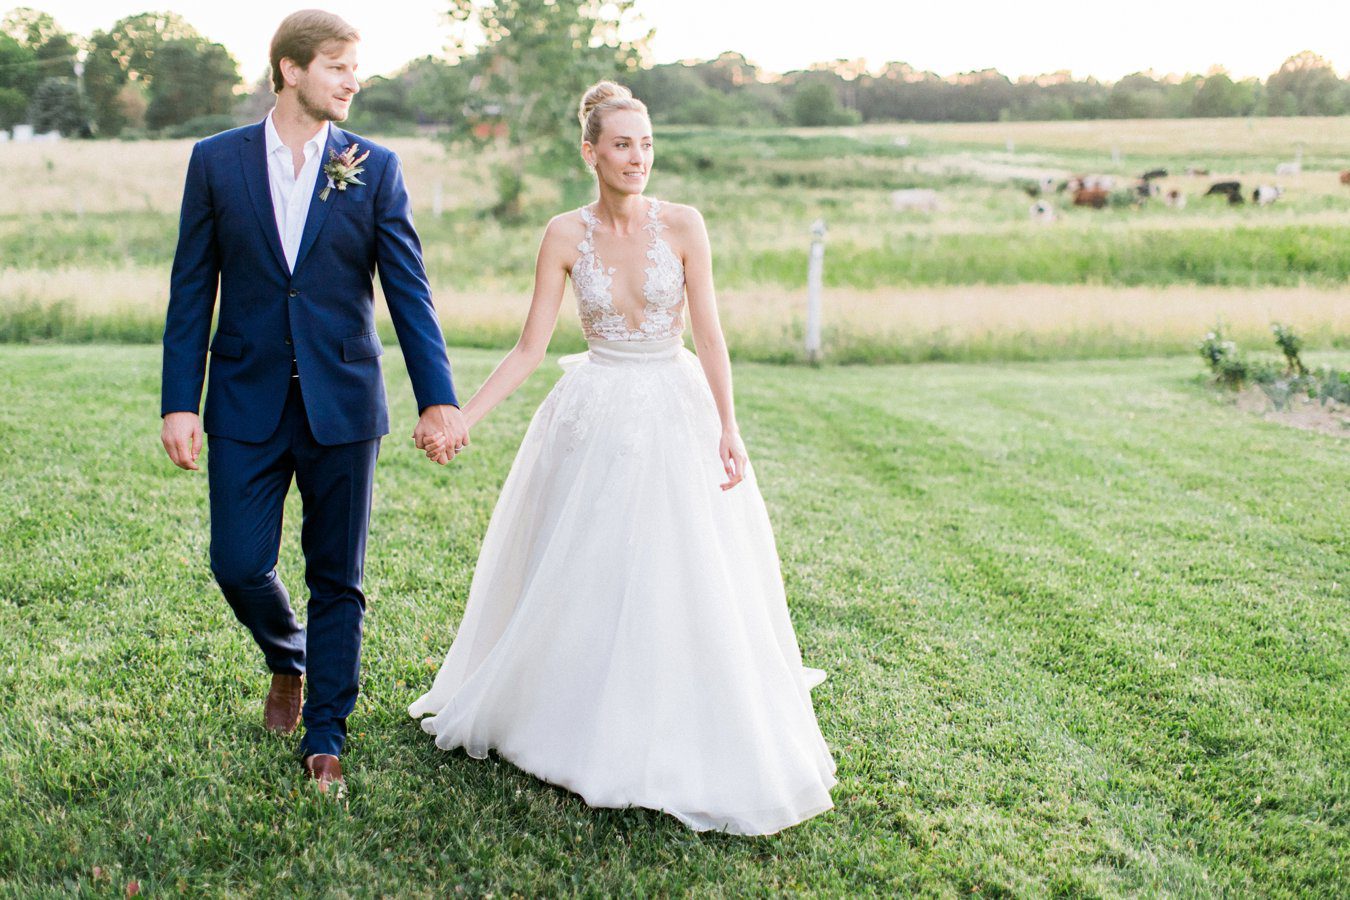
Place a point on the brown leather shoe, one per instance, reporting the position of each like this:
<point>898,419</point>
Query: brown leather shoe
<point>281,712</point>
<point>326,770</point>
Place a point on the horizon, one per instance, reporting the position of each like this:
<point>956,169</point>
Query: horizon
<point>1038,38</point>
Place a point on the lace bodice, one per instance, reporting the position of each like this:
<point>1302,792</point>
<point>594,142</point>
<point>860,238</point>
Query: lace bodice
<point>662,291</point>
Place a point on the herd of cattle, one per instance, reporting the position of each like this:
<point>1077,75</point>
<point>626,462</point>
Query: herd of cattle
<point>1100,191</point>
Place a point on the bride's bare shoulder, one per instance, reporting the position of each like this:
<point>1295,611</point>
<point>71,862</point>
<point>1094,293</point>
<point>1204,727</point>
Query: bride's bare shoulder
<point>564,231</point>
<point>680,215</point>
<point>687,231</point>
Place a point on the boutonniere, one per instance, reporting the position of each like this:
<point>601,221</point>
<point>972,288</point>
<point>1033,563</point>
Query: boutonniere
<point>342,169</point>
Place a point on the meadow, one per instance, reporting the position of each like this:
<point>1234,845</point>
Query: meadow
<point>1084,622</point>
<point>1084,617</point>
<point>85,257</point>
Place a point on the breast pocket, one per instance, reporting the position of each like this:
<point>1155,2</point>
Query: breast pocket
<point>363,346</point>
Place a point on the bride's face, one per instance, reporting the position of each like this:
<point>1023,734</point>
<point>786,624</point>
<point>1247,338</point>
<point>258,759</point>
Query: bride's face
<point>623,154</point>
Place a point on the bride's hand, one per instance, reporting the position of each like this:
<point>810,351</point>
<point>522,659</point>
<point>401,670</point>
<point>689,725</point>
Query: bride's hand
<point>435,445</point>
<point>732,452</point>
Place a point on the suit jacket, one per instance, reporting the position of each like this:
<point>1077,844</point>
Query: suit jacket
<point>322,315</point>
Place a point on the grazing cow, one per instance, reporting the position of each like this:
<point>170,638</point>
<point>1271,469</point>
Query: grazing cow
<point>1230,189</point>
<point>1146,190</point>
<point>1175,199</point>
<point>1196,170</point>
<point>1266,194</point>
<point>1078,183</point>
<point>1096,198</point>
<point>1345,177</point>
<point>1152,174</point>
<point>1043,212</point>
<point>921,199</point>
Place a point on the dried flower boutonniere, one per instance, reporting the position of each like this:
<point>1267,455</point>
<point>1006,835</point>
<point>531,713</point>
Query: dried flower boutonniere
<point>342,169</point>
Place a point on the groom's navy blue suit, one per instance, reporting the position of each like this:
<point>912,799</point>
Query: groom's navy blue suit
<point>296,390</point>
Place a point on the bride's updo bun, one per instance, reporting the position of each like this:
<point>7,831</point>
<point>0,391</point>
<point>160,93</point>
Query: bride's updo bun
<point>602,97</point>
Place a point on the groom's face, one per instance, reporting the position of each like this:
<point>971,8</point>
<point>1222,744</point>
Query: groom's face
<point>325,89</point>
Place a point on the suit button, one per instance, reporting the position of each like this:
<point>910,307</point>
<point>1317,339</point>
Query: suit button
<point>294,293</point>
<point>288,342</point>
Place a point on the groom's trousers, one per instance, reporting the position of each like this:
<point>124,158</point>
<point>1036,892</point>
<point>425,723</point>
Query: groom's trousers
<point>248,486</point>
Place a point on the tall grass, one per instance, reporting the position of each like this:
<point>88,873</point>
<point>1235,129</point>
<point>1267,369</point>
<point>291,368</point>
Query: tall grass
<point>92,263</point>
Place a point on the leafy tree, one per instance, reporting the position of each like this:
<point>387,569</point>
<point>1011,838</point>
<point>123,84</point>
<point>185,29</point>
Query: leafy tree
<point>57,105</point>
<point>104,79</point>
<point>55,48</point>
<point>539,57</point>
<point>30,27</point>
<point>136,39</point>
<point>1305,85</point>
<point>437,91</point>
<point>13,108</point>
<point>1220,96</point>
<point>191,79</point>
<point>816,103</point>
<point>19,67</point>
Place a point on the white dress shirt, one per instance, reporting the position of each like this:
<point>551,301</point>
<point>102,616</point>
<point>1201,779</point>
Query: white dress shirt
<point>290,192</point>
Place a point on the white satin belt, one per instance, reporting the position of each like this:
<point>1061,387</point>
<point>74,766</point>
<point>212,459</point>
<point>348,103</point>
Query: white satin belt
<point>626,352</point>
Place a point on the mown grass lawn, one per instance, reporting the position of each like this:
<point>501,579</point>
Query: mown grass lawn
<point>1086,626</point>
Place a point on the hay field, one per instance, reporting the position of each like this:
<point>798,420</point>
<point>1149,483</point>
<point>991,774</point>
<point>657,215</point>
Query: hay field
<point>85,256</point>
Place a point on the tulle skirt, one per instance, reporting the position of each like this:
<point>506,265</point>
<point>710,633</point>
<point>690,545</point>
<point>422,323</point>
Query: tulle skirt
<point>626,634</point>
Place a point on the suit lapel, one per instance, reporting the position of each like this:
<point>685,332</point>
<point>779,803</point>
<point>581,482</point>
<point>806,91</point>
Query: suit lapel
<point>318,209</point>
<point>253,157</point>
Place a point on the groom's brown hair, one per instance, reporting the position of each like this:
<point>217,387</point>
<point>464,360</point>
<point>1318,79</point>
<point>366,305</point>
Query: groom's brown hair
<point>301,35</point>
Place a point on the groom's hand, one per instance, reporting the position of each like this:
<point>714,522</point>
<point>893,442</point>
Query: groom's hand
<point>446,423</point>
<point>182,438</point>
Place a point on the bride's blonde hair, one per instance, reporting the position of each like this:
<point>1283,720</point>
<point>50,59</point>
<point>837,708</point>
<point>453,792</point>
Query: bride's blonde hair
<point>601,98</point>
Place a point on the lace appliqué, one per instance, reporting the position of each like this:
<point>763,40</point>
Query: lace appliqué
<point>662,290</point>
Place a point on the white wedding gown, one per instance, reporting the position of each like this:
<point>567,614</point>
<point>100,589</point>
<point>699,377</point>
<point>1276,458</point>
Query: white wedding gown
<point>626,634</point>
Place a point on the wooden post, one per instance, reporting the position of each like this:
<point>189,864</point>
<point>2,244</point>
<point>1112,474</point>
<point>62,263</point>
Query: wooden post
<point>814,269</point>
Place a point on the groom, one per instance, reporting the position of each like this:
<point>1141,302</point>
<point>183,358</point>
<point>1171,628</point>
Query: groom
<point>293,236</point>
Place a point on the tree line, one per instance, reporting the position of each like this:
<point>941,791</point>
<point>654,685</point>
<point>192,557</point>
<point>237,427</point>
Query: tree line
<point>154,74</point>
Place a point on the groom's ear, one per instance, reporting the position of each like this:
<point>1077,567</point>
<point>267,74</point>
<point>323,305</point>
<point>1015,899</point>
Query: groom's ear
<point>290,71</point>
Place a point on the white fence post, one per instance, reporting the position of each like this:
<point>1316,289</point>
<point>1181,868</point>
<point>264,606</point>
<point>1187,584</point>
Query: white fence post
<point>814,270</point>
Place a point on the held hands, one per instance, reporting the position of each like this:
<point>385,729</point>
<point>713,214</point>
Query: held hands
<point>734,461</point>
<point>441,432</point>
<point>182,439</point>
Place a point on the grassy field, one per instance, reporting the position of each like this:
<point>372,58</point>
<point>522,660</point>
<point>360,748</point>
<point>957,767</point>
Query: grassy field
<point>83,262</point>
<point>1085,623</point>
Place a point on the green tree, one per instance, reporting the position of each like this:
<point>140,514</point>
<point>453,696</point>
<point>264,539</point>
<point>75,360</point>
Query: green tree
<point>1305,85</point>
<point>55,48</point>
<point>104,79</point>
<point>58,105</point>
<point>19,68</point>
<point>137,39</point>
<point>539,57</point>
<point>129,53</point>
<point>816,103</point>
<point>191,79</point>
<point>1220,96</point>
<point>437,91</point>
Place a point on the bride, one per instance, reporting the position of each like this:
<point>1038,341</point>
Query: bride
<point>626,634</point>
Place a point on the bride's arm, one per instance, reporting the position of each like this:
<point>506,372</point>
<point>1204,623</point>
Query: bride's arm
<point>710,343</point>
<point>550,276</point>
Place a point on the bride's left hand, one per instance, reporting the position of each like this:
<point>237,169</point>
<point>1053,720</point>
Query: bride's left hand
<point>732,452</point>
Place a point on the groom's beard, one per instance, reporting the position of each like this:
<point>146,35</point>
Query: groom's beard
<point>318,112</point>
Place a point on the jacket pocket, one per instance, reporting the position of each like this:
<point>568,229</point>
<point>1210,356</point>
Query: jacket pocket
<point>363,346</point>
<point>230,346</point>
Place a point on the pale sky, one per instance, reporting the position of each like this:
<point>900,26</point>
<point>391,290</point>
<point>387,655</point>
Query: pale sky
<point>1025,38</point>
